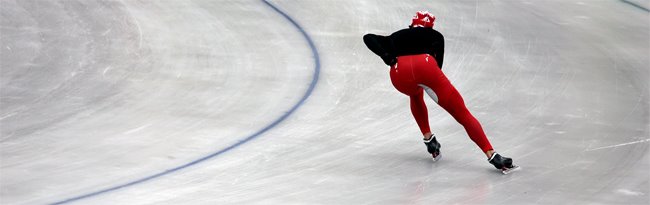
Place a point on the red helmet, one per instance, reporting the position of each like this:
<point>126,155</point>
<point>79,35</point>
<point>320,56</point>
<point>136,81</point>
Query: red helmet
<point>423,19</point>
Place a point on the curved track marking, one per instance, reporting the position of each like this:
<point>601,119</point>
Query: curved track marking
<point>636,5</point>
<point>302,100</point>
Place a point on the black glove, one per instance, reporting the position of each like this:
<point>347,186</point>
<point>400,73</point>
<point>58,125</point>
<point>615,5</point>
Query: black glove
<point>389,59</point>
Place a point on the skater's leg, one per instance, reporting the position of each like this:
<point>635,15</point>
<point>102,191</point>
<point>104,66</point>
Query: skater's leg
<point>403,78</point>
<point>454,104</point>
<point>490,153</point>
<point>430,77</point>
<point>419,111</point>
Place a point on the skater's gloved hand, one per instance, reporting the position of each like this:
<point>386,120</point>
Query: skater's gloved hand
<point>389,59</point>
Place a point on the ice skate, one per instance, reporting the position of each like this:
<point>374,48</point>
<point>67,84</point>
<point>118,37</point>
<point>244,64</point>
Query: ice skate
<point>503,163</point>
<point>433,147</point>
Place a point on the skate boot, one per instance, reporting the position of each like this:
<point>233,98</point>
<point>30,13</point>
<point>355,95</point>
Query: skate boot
<point>433,147</point>
<point>503,163</point>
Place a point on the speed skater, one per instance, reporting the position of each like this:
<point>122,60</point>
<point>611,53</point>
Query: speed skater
<point>415,56</point>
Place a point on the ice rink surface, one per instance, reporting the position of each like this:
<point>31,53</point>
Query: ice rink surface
<point>209,102</point>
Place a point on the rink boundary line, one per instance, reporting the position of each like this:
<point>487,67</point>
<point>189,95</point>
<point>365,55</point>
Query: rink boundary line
<point>312,85</point>
<point>636,5</point>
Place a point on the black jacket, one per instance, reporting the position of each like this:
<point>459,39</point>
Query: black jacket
<point>410,41</point>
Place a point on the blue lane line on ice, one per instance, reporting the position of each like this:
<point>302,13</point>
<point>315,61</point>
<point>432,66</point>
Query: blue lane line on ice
<point>308,93</point>
<point>636,5</point>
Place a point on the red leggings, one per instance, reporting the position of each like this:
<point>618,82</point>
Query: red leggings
<point>414,74</point>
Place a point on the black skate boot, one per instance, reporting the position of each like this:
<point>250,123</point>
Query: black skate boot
<point>433,147</point>
<point>503,163</point>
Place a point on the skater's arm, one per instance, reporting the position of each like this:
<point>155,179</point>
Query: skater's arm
<point>380,45</point>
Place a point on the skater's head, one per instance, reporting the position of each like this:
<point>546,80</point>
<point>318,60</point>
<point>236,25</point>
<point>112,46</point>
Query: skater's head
<point>422,19</point>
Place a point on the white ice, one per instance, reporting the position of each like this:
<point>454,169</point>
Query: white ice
<point>99,95</point>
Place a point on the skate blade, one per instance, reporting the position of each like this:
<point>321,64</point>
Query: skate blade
<point>509,170</point>
<point>436,158</point>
